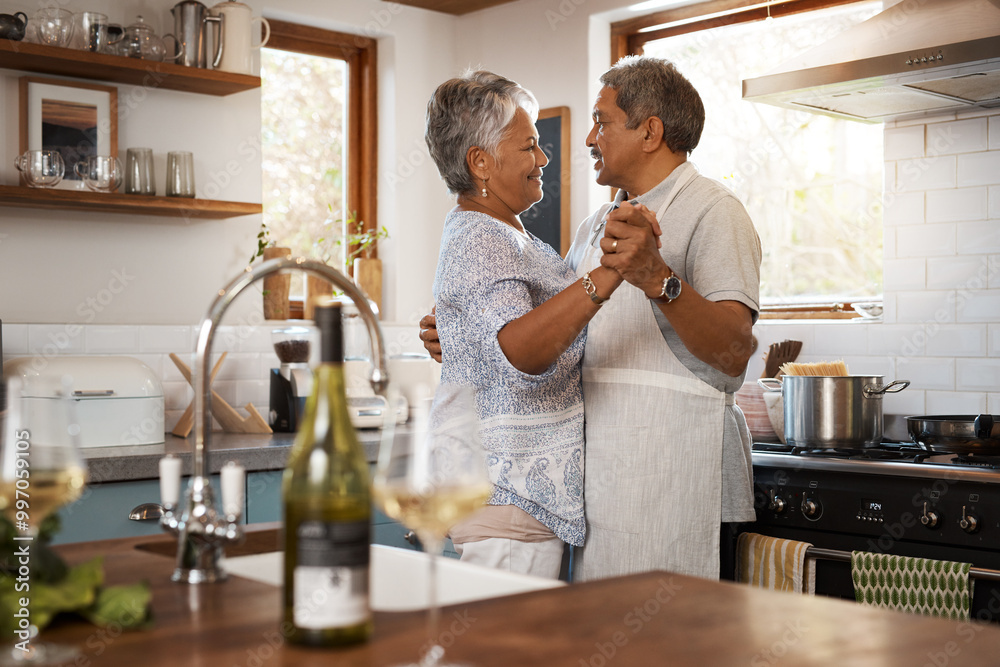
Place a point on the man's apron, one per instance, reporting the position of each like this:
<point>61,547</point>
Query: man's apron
<point>654,430</point>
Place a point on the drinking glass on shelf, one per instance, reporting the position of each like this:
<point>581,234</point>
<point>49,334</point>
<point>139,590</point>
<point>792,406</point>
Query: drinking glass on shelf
<point>90,32</point>
<point>180,174</point>
<point>53,26</point>
<point>41,469</point>
<point>432,480</point>
<point>139,179</point>
<point>100,173</point>
<point>41,168</point>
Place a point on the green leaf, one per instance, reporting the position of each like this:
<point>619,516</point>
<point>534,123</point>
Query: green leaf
<point>127,606</point>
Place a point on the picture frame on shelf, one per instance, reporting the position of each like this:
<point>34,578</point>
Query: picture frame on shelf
<point>77,119</point>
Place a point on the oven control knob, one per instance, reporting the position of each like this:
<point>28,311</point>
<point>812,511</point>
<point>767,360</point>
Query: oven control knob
<point>929,518</point>
<point>810,507</point>
<point>969,523</point>
<point>777,505</point>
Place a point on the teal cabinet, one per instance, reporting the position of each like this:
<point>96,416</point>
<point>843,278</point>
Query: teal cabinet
<point>102,512</point>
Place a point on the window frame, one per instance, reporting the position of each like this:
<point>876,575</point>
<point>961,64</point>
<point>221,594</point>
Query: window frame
<point>627,40</point>
<point>360,55</point>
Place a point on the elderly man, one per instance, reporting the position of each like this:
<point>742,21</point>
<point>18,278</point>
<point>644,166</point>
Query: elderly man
<point>667,451</point>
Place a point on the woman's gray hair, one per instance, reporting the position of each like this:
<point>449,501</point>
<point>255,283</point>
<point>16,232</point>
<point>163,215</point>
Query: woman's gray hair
<point>648,86</point>
<point>474,109</point>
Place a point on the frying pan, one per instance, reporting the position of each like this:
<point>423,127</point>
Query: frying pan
<point>956,434</point>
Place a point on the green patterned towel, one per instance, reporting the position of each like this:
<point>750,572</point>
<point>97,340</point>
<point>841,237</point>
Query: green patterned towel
<point>916,585</point>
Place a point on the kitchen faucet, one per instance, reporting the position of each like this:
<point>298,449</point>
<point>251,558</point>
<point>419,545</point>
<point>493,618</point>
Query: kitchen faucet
<point>203,531</point>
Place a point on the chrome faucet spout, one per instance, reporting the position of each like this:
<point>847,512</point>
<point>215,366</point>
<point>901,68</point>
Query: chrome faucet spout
<point>202,531</point>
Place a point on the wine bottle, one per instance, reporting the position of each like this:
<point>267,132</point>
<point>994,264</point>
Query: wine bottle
<point>327,505</point>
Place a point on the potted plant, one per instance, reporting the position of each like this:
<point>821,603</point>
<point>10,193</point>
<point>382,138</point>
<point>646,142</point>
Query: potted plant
<point>359,244</point>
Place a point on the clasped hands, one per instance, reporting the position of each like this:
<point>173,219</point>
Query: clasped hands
<point>631,246</point>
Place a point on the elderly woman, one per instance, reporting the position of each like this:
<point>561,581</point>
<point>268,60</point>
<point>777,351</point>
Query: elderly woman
<point>510,317</point>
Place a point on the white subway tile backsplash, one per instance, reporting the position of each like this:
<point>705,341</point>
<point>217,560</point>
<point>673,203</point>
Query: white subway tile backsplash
<point>926,240</point>
<point>994,142</point>
<point>889,307</point>
<point>256,392</point>
<point>903,208</point>
<point>51,339</point>
<point>910,401</point>
<point>891,340</point>
<point>904,142</point>
<point>958,340</point>
<point>960,136</point>
<point>15,339</point>
<point>994,340</point>
<point>836,340</point>
<point>165,339</point>
<point>978,168</point>
<point>888,243</point>
<point>242,366</point>
<point>955,402</point>
<point>956,272</point>
<point>928,173</point>
<point>177,395</point>
<point>977,305</point>
<point>925,307</point>
<point>865,365</point>
<point>957,205</point>
<point>993,208</point>
<point>994,269</point>
<point>975,238</point>
<point>927,373</point>
<point>104,339</point>
<point>993,401</point>
<point>977,374</point>
<point>905,274</point>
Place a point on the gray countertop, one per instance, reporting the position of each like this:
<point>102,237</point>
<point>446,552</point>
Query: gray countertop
<point>255,452</point>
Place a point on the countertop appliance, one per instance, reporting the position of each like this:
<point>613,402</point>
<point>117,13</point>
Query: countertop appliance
<point>119,400</point>
<point>895,498</point>
<point>912,59</point>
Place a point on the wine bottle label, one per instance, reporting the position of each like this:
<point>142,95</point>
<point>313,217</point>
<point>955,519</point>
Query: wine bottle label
<point>331,576</point>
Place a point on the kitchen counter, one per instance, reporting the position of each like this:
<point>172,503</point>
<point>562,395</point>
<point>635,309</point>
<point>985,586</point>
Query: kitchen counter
<point>255,452</point>
<point>649,619</point>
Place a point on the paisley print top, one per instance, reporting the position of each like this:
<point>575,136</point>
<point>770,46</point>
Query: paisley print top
<point>488,274</point>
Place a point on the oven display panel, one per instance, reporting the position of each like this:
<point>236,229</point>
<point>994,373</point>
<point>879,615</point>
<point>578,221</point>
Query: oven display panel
<point>870,510</point>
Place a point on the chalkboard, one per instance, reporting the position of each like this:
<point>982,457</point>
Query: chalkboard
<point>549,218</point>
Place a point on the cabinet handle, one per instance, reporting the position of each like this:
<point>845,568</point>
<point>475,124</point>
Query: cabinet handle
<point>411,537</point>
<point>146,512</point>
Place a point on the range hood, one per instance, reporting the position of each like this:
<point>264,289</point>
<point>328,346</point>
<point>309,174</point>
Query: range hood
<point>915,58</point>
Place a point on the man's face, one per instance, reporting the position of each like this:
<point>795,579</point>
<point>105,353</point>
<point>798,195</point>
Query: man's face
<point>614,147</point>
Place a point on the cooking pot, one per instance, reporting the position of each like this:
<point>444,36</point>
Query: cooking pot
<point>823,412</point>
<point>956,434</point>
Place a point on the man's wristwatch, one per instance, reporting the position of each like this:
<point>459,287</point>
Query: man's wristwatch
<point>671,289</point>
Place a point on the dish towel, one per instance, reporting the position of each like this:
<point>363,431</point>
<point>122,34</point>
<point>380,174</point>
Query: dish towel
<point>916,585</point>
<point>775,563</point>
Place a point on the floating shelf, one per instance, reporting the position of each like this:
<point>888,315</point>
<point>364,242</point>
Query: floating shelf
<point>119,69</point>
<point>111,202</point>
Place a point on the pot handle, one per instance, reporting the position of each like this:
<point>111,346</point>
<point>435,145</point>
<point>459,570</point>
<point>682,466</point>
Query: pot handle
<point>983,426</point>
<point>770,384</point>
<point>891,388</point>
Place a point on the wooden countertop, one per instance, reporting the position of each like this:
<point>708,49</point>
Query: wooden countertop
<point>643,620</point>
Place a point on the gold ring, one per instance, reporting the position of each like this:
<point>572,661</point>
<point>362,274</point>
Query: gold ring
<point>614,246</point>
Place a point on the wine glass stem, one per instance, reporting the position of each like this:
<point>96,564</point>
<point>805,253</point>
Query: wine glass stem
<point>432,546</point>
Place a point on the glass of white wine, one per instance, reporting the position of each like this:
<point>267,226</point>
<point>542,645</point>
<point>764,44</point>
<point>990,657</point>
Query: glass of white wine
<point>432,480</point>
<point>41,469</point>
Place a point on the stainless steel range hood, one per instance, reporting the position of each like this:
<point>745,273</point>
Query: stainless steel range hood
<point>915,58</point>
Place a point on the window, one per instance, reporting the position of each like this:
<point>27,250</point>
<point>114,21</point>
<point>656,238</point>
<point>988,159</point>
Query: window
<point>318,139</point>
<point>812,184</point>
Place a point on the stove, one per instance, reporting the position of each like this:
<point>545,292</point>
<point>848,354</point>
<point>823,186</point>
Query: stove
<point>896,498</point>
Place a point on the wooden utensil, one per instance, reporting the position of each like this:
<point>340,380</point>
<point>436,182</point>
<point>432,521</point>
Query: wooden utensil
<point>778,354</point>
<point>231,420</point>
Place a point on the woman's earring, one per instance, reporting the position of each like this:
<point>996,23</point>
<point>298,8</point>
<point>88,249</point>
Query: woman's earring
<point>484,192</point>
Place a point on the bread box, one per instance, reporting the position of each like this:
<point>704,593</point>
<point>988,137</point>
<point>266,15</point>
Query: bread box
<point>119,400</point>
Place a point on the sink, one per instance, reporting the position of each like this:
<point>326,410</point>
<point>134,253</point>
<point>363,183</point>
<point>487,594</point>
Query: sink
<point>399,578</point>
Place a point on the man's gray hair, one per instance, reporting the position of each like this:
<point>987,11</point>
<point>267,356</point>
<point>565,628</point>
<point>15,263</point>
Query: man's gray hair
<point>648,86</point>
<point>474,109</point>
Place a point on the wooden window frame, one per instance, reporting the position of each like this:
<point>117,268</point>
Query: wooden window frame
<point>627,40</point>
<point>360,55</point>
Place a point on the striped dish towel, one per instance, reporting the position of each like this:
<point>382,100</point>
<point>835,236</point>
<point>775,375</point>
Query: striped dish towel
<point>774,563</point>
<point>916,585</point>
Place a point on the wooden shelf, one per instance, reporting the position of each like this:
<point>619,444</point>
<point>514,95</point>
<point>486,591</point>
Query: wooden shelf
<point>112,202</point>
<point>119,69</point>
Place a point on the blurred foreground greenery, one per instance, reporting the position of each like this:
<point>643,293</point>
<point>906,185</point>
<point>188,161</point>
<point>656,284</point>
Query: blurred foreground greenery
<point>52,588</point>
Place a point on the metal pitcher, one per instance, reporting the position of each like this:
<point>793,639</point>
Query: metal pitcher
<point>190,32</point>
